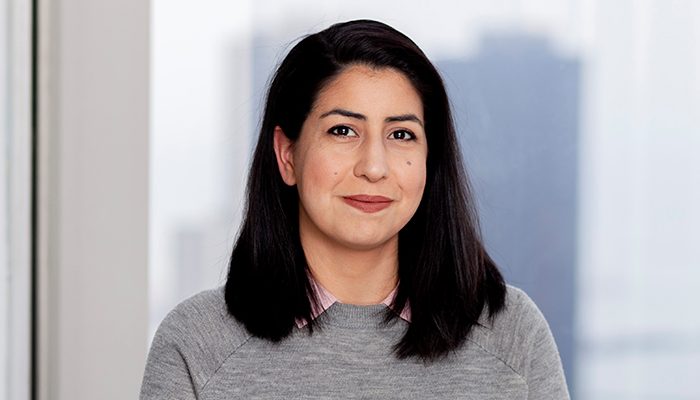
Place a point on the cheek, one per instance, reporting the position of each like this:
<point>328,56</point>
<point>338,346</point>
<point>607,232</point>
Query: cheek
<point>319,175</point>
<point>413,177</point>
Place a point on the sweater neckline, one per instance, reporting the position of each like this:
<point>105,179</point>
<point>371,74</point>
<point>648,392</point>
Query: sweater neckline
<point>356,316</point>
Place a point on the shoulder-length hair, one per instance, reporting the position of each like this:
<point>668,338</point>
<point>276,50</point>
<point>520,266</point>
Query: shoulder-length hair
<point>445,274</point>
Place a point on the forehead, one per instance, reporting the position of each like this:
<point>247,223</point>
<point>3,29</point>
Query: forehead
<point>371,89</point>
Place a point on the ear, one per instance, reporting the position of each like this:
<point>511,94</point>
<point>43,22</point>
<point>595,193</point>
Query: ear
<point>285,156</point>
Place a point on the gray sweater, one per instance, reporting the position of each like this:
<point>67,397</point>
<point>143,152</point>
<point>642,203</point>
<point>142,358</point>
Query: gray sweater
<point>201,352</point>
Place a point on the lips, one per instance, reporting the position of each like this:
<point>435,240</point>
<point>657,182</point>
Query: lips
<point>368,203</point>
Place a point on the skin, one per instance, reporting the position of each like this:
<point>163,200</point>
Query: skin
<point>351,253</point>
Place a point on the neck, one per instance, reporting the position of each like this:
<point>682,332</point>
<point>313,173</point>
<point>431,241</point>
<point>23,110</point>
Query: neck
<point>353,276</point>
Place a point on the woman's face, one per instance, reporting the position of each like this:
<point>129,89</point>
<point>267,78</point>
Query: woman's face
<point>360,160</point>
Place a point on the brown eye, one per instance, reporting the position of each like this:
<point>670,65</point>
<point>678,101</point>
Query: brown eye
<point>402,135</point>
<point>342,130</point>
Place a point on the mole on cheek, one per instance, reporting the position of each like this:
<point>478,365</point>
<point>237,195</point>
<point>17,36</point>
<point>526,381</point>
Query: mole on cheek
<point>335,173</point>
<point>408,162</point>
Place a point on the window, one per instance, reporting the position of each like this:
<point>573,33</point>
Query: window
<point>578,123</point>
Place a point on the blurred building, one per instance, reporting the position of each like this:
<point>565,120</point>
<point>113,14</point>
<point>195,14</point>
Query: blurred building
<point>516,107</point>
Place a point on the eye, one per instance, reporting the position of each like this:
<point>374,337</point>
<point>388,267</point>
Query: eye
<point>342,130</point>
<point>402,134</point>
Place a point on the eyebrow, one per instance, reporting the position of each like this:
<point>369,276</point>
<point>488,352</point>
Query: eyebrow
<point>350,114</point>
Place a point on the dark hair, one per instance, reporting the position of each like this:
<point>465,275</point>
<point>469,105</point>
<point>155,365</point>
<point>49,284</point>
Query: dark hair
<point>445,273</point>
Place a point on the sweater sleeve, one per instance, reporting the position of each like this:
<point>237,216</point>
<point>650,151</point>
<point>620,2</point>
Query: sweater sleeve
<point>167,376</point>
<point>545,374</point>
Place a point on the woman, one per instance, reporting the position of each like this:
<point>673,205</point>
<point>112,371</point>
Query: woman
<point>358,271</point>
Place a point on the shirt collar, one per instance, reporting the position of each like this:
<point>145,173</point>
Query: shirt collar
<point>326,299</point>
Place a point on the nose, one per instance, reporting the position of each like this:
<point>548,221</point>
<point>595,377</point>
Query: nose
<point>372,160</point>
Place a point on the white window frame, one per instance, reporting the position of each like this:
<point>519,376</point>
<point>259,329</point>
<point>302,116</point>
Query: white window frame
<point>93,110</point>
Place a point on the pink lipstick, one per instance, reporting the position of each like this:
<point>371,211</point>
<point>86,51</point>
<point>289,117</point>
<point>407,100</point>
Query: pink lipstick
<point>367,203</point>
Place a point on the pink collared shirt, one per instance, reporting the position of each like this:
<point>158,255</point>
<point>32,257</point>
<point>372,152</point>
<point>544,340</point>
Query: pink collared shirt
<point>326,299</point>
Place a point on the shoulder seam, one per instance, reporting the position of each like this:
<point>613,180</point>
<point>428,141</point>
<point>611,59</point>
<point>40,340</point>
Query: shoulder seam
<point>224,362</point>
<point>491,353</point>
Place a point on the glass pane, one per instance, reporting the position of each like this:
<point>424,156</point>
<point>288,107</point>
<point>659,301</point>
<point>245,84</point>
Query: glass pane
<point>15,196</point>
<point>4,200</point>
<point>578,121</point>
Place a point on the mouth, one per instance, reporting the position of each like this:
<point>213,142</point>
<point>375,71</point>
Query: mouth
<point>367,203</point>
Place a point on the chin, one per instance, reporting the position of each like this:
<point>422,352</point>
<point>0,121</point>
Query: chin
<point>364,244</point>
